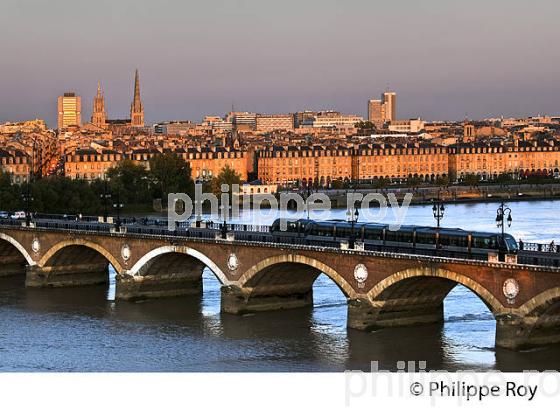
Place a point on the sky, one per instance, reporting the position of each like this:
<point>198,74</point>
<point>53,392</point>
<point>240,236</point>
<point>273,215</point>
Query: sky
<point>446,60</point>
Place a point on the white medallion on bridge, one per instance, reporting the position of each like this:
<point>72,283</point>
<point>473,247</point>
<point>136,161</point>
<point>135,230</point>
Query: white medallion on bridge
<point>126,253</point>
<point>360,274</point>
<point>232,262</point>
<point>511,290</point>
<point>36,245</point>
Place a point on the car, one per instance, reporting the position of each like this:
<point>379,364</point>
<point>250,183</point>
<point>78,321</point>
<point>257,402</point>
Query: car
<point>18,215</point>
<point>4,215</point>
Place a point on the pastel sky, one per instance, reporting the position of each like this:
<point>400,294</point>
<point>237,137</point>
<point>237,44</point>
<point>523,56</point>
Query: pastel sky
<point>445,59</point>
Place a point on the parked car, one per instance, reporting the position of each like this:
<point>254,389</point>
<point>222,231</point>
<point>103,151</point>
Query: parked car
<point>4,215</point>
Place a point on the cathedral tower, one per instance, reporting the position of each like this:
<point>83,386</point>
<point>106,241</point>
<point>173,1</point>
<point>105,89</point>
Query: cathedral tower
<point>99,115</point>
<point>136,108</point>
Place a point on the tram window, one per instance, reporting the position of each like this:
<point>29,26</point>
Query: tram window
<point>405,237</point>
<point>391,236</point>
<point>374,235</point>
<point>424,238</point>
<point>484,243</point>
<point>458,241</point>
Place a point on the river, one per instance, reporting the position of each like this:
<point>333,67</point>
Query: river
<point>84,329</point>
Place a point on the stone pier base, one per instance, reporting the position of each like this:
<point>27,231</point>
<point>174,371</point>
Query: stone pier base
<point>66,276</point>
<point>517,333</point>
<point>11,266</point>
<point>365,315</point>
<point>133,288</point>
<point>240,301</point>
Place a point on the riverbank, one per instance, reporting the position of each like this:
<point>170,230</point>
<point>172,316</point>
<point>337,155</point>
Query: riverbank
<point>456,194</point>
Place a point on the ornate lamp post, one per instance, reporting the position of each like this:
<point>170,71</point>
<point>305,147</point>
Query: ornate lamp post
<point>438,209</point>
<point>118,205</point>
<point>224,225</point>
<point>307,199</point>
<point>352,218</point>
<point>105,196</point>
<point>27,198</point>
<point>501,213</point>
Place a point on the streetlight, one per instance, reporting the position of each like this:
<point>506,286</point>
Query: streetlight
<point>438,209</point>
<point>198,210</point>
<point>224,225</point>
<point>105,196</point>
<point>27,199</point>
<point>307,208</point>
<point>118,206</point>
<point>500,214</point>
<point>353,219</point>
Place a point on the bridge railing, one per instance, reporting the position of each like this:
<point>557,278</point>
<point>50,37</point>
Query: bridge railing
<point>539,247</point>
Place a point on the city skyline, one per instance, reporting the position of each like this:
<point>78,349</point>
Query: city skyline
<point>198,59</point>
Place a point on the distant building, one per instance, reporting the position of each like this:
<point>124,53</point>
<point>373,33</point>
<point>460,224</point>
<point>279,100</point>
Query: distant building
<point>375,113</point>
<point>180,128</point>
<point>334,119</point>
<point>137,108</point>
<point>217,123</point>
<point>274,122</point>
<point>243,121</point>
<point>25,126</point>
<point>389,107</point>
<point>407,126</point>
<point>17,164</point>
<point>69,111</point>
<point>302,118</point>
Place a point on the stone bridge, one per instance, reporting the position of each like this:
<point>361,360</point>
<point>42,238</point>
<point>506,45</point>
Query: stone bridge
<point>382,289</point>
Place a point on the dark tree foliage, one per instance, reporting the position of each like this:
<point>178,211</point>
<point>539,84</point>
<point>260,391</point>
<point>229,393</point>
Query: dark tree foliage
<point>170,173</point>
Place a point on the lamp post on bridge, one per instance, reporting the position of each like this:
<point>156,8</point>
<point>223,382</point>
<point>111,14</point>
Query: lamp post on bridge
<point>307,210</point>
<point>118,205</point>
<point>224,210</point>
<point>501,213</point>
<point>352,218</point>
<point>27,198</point>
<point>438,209</point>
<point>105,196</point>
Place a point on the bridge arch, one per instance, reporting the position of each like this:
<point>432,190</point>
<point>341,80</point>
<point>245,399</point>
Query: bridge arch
<point>249,278</point>
<point>19,247</point>
<point>61,246</point>
<point>182,250</point>
<point>540,303</point>
<point>382,291</point>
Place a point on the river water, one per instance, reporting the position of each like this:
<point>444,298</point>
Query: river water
<point>83,329</point>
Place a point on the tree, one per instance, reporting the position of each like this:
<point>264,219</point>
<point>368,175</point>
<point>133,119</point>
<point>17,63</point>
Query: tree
<point>56,194</point>
<point>227,176</point>
<point>381,183</point>
<point>131,181</point>
<point>170,173</point>
<point>472,179</point>
<point>337,184</point>
<point>442,180</point>
<point>10,195</point>
<point>414,181</point>
<point>505,178</point>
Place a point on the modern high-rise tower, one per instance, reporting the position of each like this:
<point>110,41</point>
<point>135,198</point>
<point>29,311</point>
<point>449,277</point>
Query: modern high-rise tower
<point>136,108</point>
<point>99,115</point>
<point>389,108</point>
<point>69,111</point>
<point>375,113</point>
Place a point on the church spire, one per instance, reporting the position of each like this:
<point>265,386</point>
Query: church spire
<point>99,115</point>
<point>136,108</point>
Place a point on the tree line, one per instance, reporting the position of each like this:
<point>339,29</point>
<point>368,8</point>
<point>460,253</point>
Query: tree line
<point>133,185</point>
